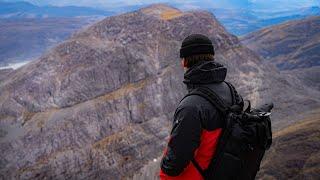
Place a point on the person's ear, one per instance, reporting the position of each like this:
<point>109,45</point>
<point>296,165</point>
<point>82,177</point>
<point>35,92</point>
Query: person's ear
<point>183,62</point>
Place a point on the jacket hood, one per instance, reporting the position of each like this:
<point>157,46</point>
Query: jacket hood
<point>205,72</point>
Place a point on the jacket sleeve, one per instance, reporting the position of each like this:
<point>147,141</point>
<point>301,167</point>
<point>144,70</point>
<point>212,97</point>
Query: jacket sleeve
<point>184,140</point>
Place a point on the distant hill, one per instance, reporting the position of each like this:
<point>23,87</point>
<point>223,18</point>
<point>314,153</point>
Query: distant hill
<point>243,21</point>
<point>28,30</point>
<point>293,47</point>
<point>295,152</point>
<point>238,16</point>
<point>25,39</point>
<point>307,76</point>
<point>28,10</point>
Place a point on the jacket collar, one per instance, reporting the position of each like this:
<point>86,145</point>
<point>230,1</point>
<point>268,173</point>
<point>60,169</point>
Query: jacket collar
<point>205,72</point>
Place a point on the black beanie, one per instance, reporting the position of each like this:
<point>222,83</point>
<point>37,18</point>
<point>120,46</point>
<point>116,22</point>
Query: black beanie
<point>196,44</point>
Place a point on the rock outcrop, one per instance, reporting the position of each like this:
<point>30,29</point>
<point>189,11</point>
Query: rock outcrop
<point>99,105</point>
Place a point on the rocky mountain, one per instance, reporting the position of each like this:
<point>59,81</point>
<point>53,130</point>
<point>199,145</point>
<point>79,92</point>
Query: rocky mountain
<point>28,30</point>
<point>295,151</point>
<point>25,39</point>
<point>295,44</point>
<point>100,104</point>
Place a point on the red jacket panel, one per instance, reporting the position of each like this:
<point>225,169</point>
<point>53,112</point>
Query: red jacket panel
<point>203,155</point>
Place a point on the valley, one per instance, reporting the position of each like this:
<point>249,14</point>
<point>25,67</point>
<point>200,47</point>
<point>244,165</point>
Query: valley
<point>27,39</point>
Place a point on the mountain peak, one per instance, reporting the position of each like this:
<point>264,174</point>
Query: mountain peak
<point>97,101</point>
<point>162,11</point>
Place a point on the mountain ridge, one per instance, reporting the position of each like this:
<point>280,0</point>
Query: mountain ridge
<point>24,9</point>
<point>242,22</point>
<point>15,17</point>
<point>292,46</point>
<point>284,42</point>
<point>100,103</point>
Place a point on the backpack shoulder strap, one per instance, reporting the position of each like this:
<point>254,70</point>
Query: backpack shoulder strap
<point>236,98</point>
<point>217,102</point>
<point>211,96</point>
<point>232,91</point>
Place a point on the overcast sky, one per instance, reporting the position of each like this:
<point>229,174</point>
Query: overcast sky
<point>272,4</point>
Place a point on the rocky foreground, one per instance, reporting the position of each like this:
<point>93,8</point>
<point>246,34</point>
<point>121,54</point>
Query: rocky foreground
<point>99,105</point>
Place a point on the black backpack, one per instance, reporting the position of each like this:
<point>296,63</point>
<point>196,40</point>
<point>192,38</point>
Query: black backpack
<point>244,139</point>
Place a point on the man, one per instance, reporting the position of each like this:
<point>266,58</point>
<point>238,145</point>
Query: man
<point>197,124</point>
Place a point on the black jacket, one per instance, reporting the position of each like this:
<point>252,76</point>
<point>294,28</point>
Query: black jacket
<point>193,114</point>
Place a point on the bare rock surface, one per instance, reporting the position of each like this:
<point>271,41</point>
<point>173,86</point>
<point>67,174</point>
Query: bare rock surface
<point>100,105</point>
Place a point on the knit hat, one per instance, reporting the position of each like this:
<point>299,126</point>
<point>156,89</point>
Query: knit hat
<point>196,44</point>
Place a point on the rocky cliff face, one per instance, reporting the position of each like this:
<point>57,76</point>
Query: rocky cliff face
<point>99,105</point>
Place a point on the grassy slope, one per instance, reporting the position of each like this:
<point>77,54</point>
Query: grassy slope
<point>295,153</point>
<point>291,45</point>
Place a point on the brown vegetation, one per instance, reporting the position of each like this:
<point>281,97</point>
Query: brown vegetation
<point>295,153</point>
